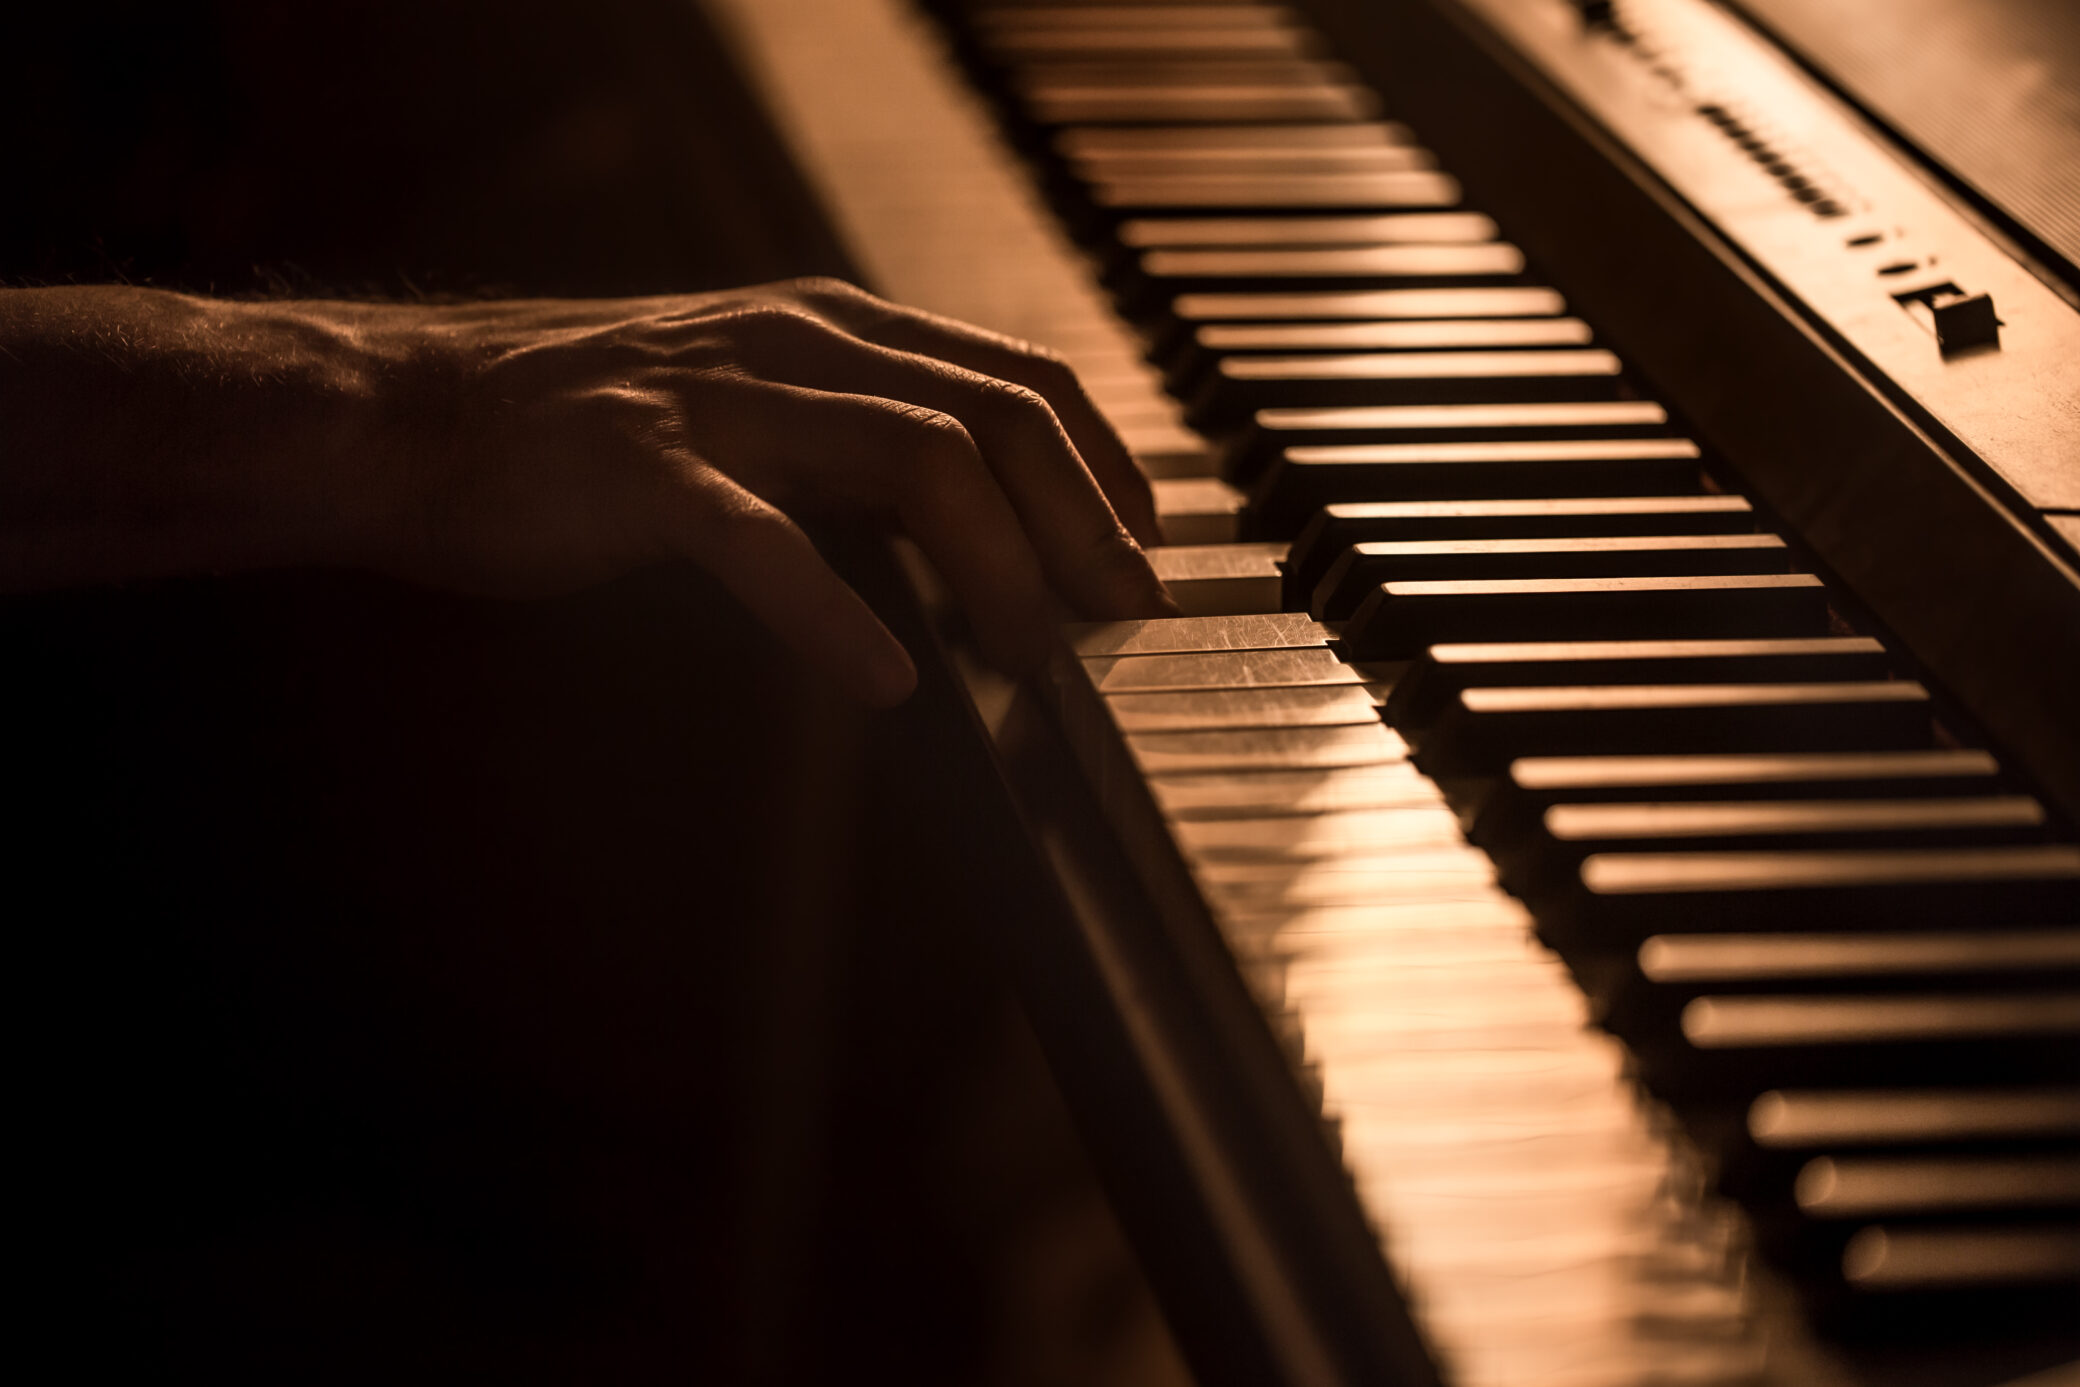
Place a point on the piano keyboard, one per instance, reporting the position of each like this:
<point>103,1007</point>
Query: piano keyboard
<point>1652,949</point>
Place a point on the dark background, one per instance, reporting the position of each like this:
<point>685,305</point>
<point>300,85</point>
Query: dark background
<point>415,986</point>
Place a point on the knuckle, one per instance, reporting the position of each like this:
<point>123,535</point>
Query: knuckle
<point>1051,368</point>
<point>630,409</point>
<point>1015,400</point>
<point>1115,552</point>
<point>831,287</point>
<point>929,444</point>
<point>934,429</point>
<point>773,320</point>
<point>739,525</point>
<point>1131,485</point>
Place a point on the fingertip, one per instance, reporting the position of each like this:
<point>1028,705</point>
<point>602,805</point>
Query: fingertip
<point>1127,588</point>
<point>887,677</point>
<point>1138,515</point>
<point>1147,598</point>
<point>1154,595</point>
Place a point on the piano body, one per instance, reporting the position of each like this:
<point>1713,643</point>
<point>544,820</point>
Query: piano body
<point>1618,448</point>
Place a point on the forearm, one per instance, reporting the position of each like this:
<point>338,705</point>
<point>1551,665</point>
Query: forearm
<point>144,433</point>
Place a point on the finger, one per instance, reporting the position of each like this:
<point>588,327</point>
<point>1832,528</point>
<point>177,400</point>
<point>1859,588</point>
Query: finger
<point>770,566</point>
<point>794,445</point>
<point>1086,554</point>
<point>1005,358</point>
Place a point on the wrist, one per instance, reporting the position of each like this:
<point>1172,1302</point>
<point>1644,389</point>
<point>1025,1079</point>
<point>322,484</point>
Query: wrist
<point>154,433</point>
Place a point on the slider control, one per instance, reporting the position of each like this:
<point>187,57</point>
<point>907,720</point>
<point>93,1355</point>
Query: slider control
<point>1961,321</point>
<point>1966,322</point>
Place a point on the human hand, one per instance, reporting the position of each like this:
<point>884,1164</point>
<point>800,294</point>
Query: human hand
<point>585,437</point>
<point>535,446</point>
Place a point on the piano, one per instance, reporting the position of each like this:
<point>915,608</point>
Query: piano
<point>1587,893</point>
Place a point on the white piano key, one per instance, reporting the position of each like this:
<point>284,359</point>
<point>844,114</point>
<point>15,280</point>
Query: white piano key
<point>1381,923</point>
<point>1198,510</point>
<point>1327,706</point>
<point>1321,835</point>
<point>1178,673</point>
<point>1222,579</point>
<point>1159,753</point>
<point>1178,635</point>
<point>1254,794</point>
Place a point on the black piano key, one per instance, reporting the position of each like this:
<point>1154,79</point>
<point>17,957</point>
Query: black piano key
<point>1647,998</point>
<point>1802,1120</point>
<point>1645,994</point>
<point>1335,528</point>
<point>1729,1047</point>
<point>1221,579</point>
<point>1519,798</point>
<point>1359,305</point>
<point>1018,43</point>
<point>1188,368</point>
<point>1620,898</point>
<point>1438,675</point>
<point>1862,1187</point>
<point>1993,1282</point>
<point>994,16</point>
<point>1148,283</point>
<point>1399,619</point>
<point>1759,1152</point>
<point>1147,286</point>
<point>1239,386</point>
<point>1880,1259</point>
<point>1182,72</point>
<point>1212,269</point>
<point>1252,160</point>
<point>1834,1198</point>
<point>1588,829</point>
<point>1361,568</point>
<point>1067,100</point>
<point>1529,451</point>
<point>1572,832</point>
<point>1184,90</point>
<point>1484,729</point>
<point>1357,433</point>
<point>1302,481</point>
<point>1098,141</point>
<point>1189,312</point>
<point>1327,192</point>
<point>1075,153</point>
<point>1425,334</point>
<point>1318,229</point>
<point>1170,335</point>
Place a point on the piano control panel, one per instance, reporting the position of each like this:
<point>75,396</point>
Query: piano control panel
<point>1849,230</point>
